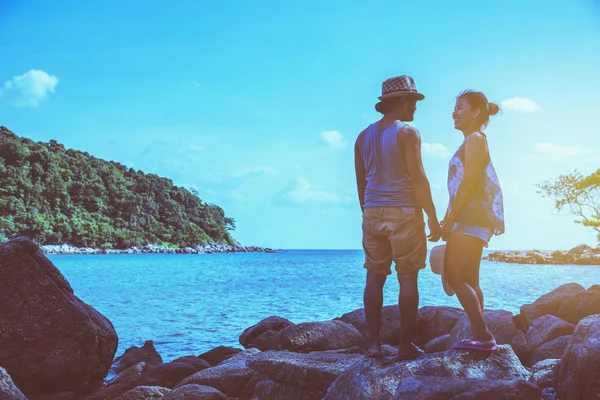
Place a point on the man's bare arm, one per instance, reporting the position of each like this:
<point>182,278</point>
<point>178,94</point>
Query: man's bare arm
<point>411,139</point>
<point>361,181</point>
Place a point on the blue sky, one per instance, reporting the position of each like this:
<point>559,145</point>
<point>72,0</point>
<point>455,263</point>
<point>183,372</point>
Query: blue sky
<point>257,104</point>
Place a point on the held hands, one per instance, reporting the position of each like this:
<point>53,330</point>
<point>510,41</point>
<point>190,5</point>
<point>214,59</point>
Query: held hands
<point>446,227</point>
<point>435,230</point>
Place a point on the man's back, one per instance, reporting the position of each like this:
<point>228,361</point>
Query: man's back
<point>386,173</point>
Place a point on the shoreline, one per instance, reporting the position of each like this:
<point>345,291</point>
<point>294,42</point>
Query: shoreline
<point>65,249</point>
<point>580,255</point>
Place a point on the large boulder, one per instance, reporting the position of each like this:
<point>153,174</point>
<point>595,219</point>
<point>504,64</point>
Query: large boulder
<point>268,389</point>
<point>144,393</point>
<point>434,322</point>
<point>438,344</point>
<point>195,392</point>
<point>50,341</point>
<point>579,371</point>
<point>135,355</point>
<point>232,377</point>
<point>436,388</point>
<point>543,330</point>
<point>390,324</point>
<point>315,336</point>
<point>499,322</point>
<point>258,336</point>
<point>379,378</point>
<point>302,375</point>
<point>8,390</point>
<point>579,306</point>
<point>217,355</point>
<point>164,375</point>
<point>543,373</point>
<point>553,349</point>
<point>550,302</point>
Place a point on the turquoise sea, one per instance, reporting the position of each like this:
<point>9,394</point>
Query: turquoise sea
<point>189,304</point>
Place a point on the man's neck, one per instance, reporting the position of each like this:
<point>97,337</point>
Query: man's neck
<point>387,120</point>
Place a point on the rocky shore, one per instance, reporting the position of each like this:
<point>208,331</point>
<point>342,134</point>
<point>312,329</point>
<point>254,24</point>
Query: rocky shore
<point>55,347</point>
<point>152,249</point>
<point>580,255</point>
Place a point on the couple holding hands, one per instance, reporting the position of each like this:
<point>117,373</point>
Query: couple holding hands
<point>394,191</point>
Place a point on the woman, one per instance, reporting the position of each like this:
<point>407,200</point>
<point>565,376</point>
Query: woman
<point>475,213</point>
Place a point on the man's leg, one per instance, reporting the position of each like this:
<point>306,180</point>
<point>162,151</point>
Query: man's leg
<point>378,260</point>
<point>408,303</point>
<point>373,299</point>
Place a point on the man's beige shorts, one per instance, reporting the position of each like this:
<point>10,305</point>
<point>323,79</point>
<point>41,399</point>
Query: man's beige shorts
<point>394,234</point>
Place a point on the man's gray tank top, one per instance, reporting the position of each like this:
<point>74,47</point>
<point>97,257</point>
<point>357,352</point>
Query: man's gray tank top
<point>388,182</point>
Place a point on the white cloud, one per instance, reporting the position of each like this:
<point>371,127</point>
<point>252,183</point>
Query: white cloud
<point>29,89</point>
<point>300,192</point>
<point>334,139</point>
<point>257,171</point>
<point>195,83</point>
<point>437,150</point>
<point>563,151</point>
<point>237,196</point>
<point>520,104</point>
<point>197,147</point>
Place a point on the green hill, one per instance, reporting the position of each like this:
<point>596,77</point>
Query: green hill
<point>55,195</point>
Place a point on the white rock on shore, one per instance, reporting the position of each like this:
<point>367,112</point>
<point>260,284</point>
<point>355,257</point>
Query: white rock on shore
<point>153,249</point>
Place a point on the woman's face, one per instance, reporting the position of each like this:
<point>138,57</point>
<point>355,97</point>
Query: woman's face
<point>463,114</point>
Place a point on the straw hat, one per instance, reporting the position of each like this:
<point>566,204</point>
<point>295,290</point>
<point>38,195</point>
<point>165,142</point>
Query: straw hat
<point>398,86</point>
<point>436,260</point>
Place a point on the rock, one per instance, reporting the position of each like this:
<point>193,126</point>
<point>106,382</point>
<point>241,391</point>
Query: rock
<point>521,322</point>
<point>218,354</point>
<point>198,363</point>
<point>390,324</point>
<point>232,377</point>
<point>316,336</point>
<point>549,394</point>
<point>550,302</point>
<point>579,306</point>
<point>250,338</point>
<point>195,392</point>
<point>56,396</point>
<point>144,393</point>
<point>438,344</point>
<point>131,373</point>
<point>553,349</point>
<point>164,375</point>
<point>545,329</point>
<point>268,389</point>
<point>519,345</point>
<point>50,341</point>
<point>313,372</point>
<point>134,355</point>
<point>435,388</point>
<point>379,378</point>
<point>500,322</point>
<point>579,371</point>
<point>8,390</point>
<point>434,322</point>
<point>544,373</point>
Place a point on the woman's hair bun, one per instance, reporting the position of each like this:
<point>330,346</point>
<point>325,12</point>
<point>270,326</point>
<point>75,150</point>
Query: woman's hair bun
<point>493,108</point>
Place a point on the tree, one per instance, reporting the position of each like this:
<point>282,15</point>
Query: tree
<point>57,195</point>
<point>580,194</point>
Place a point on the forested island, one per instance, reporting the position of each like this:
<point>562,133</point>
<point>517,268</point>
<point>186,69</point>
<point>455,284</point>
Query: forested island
<point>55,195</point>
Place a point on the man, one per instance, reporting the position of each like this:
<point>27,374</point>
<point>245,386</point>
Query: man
<point>394,191</point>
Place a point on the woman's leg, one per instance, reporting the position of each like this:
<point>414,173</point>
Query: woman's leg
<point>461,264</point>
